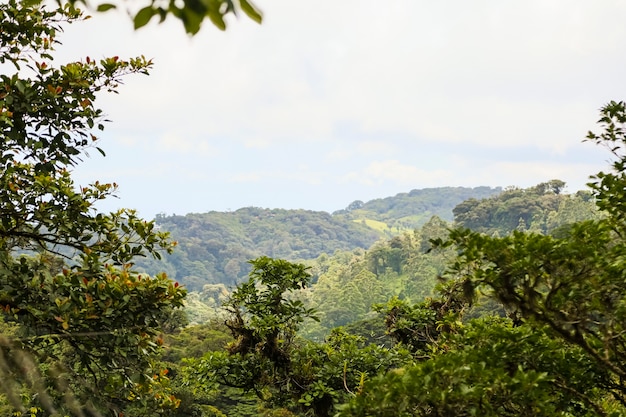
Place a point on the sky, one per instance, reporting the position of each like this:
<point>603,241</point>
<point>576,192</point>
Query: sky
<point>328,102</point>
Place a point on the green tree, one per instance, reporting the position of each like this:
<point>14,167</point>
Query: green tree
<point>488,368</point>
<point>560,351</point>
<point>88,324</point>
<point>572,283</point>
<point>268,359</point>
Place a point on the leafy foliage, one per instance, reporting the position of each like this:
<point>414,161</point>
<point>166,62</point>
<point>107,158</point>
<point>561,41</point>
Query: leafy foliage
<point>88,325</point>
<point>489,368</point>
<point>560,353</point>
<point>191,13</point>
<point>267,358</point>
<point>574,284</point>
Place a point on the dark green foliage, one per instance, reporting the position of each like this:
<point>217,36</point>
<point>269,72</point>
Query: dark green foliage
<point>87,324</point>
<point>267,358</point>
<point>215,247</point>
<point>488,368</point>
<point>260,315</point>
<point>542,208</point>
<point>572,284</point>
<point>562,350</point>
<point>419,326</point>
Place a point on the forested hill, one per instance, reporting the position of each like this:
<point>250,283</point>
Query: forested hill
<point>542,208</point>
<point>415,208</point>
<point>347,283</point>
<point>214,247</point>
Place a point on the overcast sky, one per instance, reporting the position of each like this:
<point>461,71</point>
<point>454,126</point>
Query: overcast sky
<point>327,101</point>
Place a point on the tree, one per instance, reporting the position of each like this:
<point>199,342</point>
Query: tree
<point>268,359</point>
<point>560,350</point>
<point>190,12</point>
<point>573,283</point>
<point>88,324</point>
<point>489,368</point>
<point>552,186</point>
<point>355,205</point>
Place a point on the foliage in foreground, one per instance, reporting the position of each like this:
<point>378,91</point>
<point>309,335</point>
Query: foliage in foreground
<point>560,353</point>
<point>525,324</point>
<point>266,357</point>
<point>191,13</point>
<point>85,325</point>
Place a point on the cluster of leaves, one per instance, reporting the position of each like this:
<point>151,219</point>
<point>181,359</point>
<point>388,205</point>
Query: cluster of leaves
<point>488,368</point>
<point>575,283</point>
<point>86,321</point>
<point>191,13</point>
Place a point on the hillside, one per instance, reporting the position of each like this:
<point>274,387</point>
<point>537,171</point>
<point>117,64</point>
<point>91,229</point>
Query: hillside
<point>407,211</point>
<point>348,282</point>
<point>214,247</point>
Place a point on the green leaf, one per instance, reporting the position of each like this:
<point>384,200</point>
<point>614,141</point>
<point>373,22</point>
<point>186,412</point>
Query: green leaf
<point>191,20</point>
<point>105,7</point>
<point>250,10</point>
<point>216,18</point>
<point>143,16</point>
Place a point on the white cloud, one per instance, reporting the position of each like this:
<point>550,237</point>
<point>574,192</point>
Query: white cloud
<point>370,147</point>
<point>486,76</point>
<point>379,172</point>
<point>484,72</point>
<point>247,177</point>
<point>180,143</point>
<point>338,154</point>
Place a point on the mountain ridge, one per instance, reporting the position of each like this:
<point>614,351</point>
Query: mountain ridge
<point>214,247</point>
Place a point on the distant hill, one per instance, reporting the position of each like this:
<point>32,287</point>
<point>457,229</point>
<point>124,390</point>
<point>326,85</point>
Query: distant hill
<point>413,209</point>
<point>347,282</point>
<point>214,247</point>
<point>542,209</point>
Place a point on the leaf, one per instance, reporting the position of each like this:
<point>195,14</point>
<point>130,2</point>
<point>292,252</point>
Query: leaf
<point>143,16</point>
<point>105,7</point>
<point>193,20</point>
<point>250,10</point>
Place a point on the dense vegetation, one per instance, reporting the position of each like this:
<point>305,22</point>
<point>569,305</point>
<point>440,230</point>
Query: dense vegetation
<point>348,281</point>
<point>516,307</point>
<point>522,322</point>
<point>543,208</point>
<point>408,211</point>
<point>214,247</point>
<point>80,328</point>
